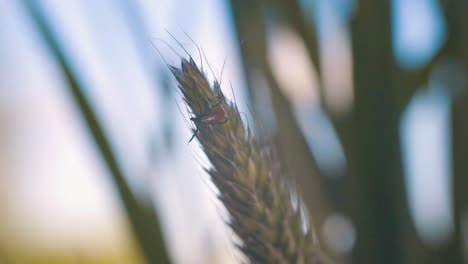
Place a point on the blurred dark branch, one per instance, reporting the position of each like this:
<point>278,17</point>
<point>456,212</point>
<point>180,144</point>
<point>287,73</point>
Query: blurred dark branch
<point>409,81</point>
<point>458,245</point>
<point>293,148</point>
<point>142,216</point>
<point>454,48</point>
<point>375,180</point>
<point>457,21</point>
<point>406,83</point>
<point>382,93</point>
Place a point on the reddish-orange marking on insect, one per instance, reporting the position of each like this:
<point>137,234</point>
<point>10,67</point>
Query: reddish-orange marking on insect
<point>213,116</point>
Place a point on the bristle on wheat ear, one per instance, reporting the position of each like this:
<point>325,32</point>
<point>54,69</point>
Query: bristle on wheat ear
<point>248,177</point>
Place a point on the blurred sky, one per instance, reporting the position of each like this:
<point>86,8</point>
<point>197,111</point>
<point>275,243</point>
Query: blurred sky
<point>55,172</point>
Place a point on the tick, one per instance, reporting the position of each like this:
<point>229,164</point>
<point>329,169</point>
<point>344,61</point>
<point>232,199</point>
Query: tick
<point>215,115</point>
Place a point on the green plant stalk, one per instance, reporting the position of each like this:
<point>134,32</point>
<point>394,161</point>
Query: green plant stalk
<point>248,177</point>
<point>144,220</point>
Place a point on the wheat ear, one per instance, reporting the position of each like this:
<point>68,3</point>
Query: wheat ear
<point>259,203</point>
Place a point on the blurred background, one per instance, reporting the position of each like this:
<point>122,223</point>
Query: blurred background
<point>366,101</point>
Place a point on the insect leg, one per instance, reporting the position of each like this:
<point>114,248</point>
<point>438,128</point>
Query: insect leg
<point>194,134</point>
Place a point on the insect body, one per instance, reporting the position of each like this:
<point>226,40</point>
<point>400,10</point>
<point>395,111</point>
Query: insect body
<point>213,116</point>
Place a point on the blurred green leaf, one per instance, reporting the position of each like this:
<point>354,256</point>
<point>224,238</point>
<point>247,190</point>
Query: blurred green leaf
<point>141,214</point>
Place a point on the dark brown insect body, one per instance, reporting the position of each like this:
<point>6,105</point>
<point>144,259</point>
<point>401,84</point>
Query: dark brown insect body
<point>215,115</point>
